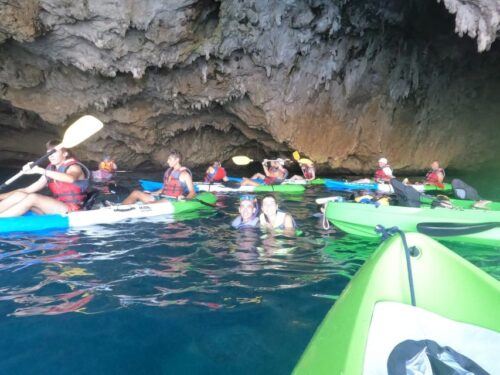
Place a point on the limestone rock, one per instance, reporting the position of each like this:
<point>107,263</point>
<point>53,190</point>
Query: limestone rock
<point>342,82</point>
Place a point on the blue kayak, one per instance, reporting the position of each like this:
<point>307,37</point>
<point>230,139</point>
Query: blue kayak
<point>344,185</point>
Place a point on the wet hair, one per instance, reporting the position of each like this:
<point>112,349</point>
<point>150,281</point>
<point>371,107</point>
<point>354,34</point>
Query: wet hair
<point>176,154</point>
<point>55,142</point>
<point>270,196</point>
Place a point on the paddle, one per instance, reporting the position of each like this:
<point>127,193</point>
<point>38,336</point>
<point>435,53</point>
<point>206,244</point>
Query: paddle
<point>245,160</point>
<point>325,200</point>
<point>300,160</point>
<point>79,131</point>
<point>213,205</point>
<point>241,160</point>
<point>454,229</point>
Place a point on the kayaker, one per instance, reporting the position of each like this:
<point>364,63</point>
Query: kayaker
<point>436,175</point>
<point>364,196</point>
<point>308,171</point>
<point>274,174</point>
<point>272,218</point>
<point>177,183</point>
<point>384,171</point>
<point>215,173</point>
<point>107,165</point>
<point>248,210</point>
<point>67,179</point>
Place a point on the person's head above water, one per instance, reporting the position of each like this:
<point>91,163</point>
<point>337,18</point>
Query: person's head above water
<point>247,208</point>
<point>269,205</point>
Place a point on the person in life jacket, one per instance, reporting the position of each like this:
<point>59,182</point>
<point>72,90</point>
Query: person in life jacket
<point>384,171</point>
<point>272,218</point>
<point>248,210</point>
<point>436,175</point>
<point>308,171</point>
<point>177,183</point>
<point>107,165</point>
<point>275,174</point>
<point>67,179</point>
<point>215,173</point>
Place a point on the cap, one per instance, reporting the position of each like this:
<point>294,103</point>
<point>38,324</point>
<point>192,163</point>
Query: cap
<point>247,197</point>
<point>382,160</point>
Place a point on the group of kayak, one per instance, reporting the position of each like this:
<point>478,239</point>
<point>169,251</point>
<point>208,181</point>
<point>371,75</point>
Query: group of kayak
<point>413,307</point>
<point>70,184</point>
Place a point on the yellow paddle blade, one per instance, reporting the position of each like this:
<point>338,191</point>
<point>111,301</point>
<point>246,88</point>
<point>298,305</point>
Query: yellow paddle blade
<point>241,160</point>
<point>296,155</point>
<point>305,161</point>
<point>80,130</point>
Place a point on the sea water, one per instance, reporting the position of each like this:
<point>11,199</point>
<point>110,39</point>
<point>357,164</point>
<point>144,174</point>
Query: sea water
<point>168,297</point>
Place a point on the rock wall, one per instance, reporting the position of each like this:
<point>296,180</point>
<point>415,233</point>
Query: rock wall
<point>343,82</point>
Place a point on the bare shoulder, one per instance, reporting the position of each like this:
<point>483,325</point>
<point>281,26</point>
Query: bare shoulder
<point>75,168</point>
<point>185,175</point>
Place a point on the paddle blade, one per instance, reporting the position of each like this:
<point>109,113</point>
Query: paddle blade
<point>296,155</point>
<point>241,160</point>
<point>305,161</point>
<point>454,229</point>
<point>80,130</point>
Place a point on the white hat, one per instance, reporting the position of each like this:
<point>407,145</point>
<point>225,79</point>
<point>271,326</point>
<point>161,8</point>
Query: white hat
<point>383,160</point>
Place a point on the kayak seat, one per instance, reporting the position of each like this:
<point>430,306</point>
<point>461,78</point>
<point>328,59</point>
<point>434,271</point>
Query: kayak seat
<point>406,195</point>
<point>464,191</point>
<point>90,200</point>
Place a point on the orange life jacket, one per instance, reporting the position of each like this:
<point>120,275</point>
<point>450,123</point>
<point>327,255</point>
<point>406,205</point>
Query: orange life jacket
<point>108,166</point>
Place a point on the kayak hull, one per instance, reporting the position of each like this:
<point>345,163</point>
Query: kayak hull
<point>382,188</point>
<point>217,187</point>
<point>341,341</point>
<point>361,220</point>
<point>105,215</point>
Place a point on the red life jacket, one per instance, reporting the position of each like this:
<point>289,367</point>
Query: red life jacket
<point>172,185</point>
<point>380,174</point>
<point>308,172</point>
<point>432,177</point>
<point>73,194</point>
<point>275,180</point>
<point>218,175</point>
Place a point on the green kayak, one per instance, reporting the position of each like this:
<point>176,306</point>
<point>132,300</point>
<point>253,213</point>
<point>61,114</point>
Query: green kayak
<point>464,203</point>
<point>316,181</point>
<point>373,323</point>
<point>361,219</point>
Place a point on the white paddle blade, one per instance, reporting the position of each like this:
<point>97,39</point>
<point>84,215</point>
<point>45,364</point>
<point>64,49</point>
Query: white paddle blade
<point>325,200</point>
<point>241,160</point>
<point>80,130</point>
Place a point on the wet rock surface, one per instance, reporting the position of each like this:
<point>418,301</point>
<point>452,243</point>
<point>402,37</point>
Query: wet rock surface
<point>342,82</point>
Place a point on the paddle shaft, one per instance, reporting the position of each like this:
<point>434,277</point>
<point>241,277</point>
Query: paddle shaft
<point>37,162</point>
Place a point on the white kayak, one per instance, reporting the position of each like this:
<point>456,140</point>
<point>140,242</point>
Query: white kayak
<point>105,215</point>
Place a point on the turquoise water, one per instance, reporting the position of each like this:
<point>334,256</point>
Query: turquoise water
<point>164,297</point>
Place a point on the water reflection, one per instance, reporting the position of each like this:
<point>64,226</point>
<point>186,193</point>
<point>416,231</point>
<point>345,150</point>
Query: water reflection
<point>200,263</point>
